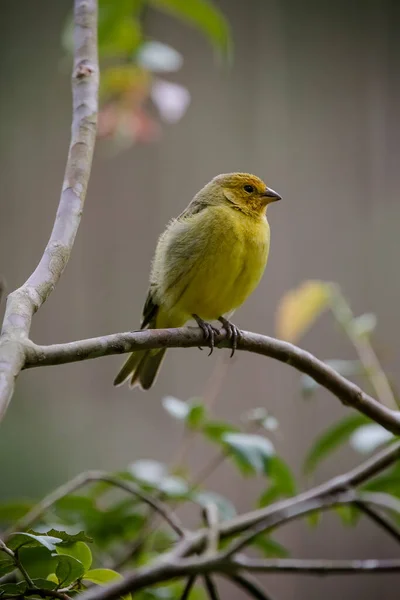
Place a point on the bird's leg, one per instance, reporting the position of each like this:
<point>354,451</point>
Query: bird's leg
<point>208,330</point>
<point>232,331</point>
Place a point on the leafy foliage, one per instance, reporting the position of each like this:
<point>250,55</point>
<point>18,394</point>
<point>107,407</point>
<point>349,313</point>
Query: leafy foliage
<point>104,524</point>
<point>131,65</point>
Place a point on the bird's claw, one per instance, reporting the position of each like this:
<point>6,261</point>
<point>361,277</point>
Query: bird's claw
<point>209,332</point>
<point>233,333</point>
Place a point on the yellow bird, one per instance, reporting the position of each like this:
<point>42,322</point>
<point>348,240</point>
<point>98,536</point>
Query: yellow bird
<point>207,262</point>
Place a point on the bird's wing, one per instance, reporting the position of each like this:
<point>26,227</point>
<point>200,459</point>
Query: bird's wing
<point>150,309</point>
<point>192,209</point>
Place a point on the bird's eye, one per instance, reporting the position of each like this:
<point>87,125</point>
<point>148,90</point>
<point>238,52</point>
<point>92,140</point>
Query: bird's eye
<point>248,188</point>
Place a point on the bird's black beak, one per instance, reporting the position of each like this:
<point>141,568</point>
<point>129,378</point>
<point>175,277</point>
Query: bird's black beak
<point>274,196</point>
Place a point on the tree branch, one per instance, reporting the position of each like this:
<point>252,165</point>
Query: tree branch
<point>250,585</point>
<point>188,337</point>
<point>211,588</point>
<point>382,520</point>
<point>164,570</point>
<point>25,301</point>
<point>178,563</point>
<point>188,587</point>
<point>315,566</point>
<point>90,477</point>
<point>280,512</point>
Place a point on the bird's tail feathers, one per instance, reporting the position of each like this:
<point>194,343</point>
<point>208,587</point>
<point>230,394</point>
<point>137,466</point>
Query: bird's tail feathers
<point>129,367</point>
<point>147,370</point>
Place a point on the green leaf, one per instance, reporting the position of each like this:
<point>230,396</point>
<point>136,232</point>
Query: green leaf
<point>103,577</point>
<point>196,415</point>
<point>368,438</point>
<point>119,31</point>
<point>269,547</point>
<point>314,518</point>
<point>331,439</point>
<point>158,57</point>
<point>176,408</point>
<point>347,368</point>
<point>20,539</point>
<point>348,514</point>
<point>6,565</point>
<point>150,472</point>
<point>261,417</point>
<point>121,522</point>
<point>363,325</point>
<point>281,474</point>
<point>13,589</point>
<point>251,452</point>
<point>389,483</point>
<point>282,482</point>
<point>10,512</point>
<point>205,16</point>
<point>75,510</point>
<point>70,537</point>
<point>68,570</point>
<point>215,430</point>
<point>174,487</point>
<point>45,584</point>
<point>226,509</point>
<point>38,561</point>
<point>78,550</point>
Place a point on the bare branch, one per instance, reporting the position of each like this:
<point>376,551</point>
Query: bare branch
<point>175,564</point>
<point>362,344</point>
<point>25,301</point>
<point>167,568</point>
<point>94,476</point>
<point>381,520</point>
<point>279,513</point>
<point>251,586</point>
<point>210,514</point>
<point>211,588</point>
<point>317,567</point>
<point>187,337</point>
<point>291,511</point>
<point>188,587</point>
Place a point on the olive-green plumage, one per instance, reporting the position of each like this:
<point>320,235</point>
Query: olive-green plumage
<point>207,262</point>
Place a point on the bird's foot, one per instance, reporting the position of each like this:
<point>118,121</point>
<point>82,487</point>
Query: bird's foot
<point>208,330</point>
<point>233,333</point>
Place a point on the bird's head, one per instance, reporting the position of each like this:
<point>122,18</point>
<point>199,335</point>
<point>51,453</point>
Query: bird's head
<point>244,191</point>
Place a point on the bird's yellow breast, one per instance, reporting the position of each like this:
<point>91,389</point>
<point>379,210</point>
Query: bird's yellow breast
<point>223,264</point>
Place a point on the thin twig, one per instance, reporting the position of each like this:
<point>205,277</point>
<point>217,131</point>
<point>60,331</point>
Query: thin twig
<point>381,520</point>
<point>175,564</point>
<point>15,558</point>
<point>278,512</point>
<point>95,476</point>
<point>250,585</point>
<point>25,301</point>
<point>316,566</point>
<point>171,567</point>
<point>366,353</point>
<point>187,337</point>
<point>188,587</point>
<point>289,513</point>
<point>211,588</point>
<point>211,519</point>
<point>43,593</point>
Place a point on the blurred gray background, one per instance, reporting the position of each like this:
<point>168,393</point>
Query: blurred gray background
<point>311,105</point>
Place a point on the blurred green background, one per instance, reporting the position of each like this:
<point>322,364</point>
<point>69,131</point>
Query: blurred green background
<point>310,104</point>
